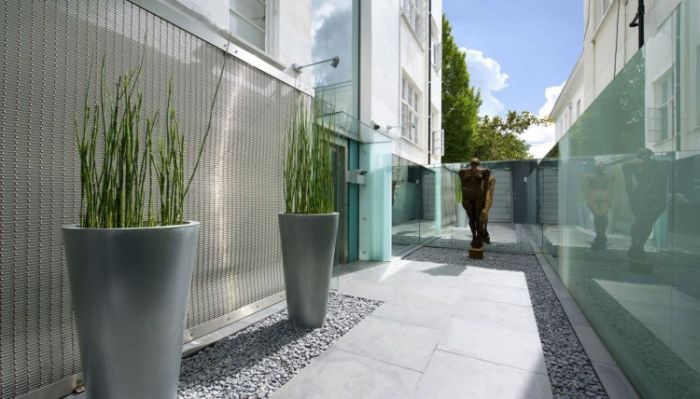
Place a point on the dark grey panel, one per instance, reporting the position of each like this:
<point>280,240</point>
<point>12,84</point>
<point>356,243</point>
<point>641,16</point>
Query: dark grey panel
<point>502,209</point>
<point>47,50</point>
<point>549,186</point>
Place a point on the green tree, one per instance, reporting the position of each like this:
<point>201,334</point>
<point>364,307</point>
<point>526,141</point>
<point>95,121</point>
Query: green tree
<point>460,101</point>
<point>499,139</point>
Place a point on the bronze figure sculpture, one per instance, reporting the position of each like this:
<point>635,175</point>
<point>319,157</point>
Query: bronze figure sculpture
<point>475,184</point>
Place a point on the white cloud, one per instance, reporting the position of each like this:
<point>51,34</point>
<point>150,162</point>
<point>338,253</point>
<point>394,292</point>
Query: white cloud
<point>487,76</point>
<point>541,138</point>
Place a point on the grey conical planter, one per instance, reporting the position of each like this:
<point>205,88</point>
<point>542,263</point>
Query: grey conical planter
<point>308,247</point>
<point>130,289</point>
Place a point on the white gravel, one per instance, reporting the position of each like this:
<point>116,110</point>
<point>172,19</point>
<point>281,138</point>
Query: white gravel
<point>254,362</point>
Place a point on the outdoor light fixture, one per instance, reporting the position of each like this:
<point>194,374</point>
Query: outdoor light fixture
<point>334,63</point>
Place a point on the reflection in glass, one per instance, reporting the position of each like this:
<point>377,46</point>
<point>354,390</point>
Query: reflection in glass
<point>616,211</point>
<point>646,186</point>
<point>598,191</point>
<point>413,209</point>
<point>335,33</point>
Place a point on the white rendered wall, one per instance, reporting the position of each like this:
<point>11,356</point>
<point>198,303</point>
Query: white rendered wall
<point>382,82</point>
<point>600,51</point>
<point>289,28</point>
<point>435,76</point>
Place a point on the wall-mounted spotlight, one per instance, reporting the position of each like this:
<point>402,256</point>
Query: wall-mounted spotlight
<point>334,63</point>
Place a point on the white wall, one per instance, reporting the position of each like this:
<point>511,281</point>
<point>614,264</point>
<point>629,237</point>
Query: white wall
<point>607,38</point>
<point>388,50</point>
<point>381,85</point>
<point>294,32</point>
<point>436,76</point>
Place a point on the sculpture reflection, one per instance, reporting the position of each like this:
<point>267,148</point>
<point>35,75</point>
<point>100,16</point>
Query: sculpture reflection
<point>597,188</point>
<point>645,183</point>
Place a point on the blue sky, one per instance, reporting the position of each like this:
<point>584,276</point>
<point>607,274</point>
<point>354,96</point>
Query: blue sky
<point>519,53</point>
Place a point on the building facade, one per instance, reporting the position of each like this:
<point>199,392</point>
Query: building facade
<point>610,43</point>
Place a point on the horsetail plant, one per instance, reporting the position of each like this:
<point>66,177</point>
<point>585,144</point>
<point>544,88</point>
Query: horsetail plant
<point>308,174</point>
<point>118,161</point>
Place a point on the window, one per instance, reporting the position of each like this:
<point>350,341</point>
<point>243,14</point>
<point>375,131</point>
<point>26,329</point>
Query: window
<point>437,134</point>
<point>664,109</point>
<point>578,108</point>
<point>247,20</point>
<point>414,11</point>
<point>410,100</point>
<point>436,54</point>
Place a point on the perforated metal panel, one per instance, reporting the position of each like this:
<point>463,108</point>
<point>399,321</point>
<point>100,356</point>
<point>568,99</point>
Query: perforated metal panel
<point>47,49</point>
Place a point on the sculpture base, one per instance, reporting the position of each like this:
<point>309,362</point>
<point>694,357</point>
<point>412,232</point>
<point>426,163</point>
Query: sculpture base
<point>476,253</point>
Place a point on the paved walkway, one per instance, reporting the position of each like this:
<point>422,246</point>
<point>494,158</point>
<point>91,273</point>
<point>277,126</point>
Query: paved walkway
<point>443,332</point>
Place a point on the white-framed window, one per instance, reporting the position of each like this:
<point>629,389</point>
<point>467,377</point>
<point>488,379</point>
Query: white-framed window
<point>664,107</point>
<point>437,134</point>
<point>436,53</point>
<point>578,108</point>
<point>415,13</point>
<point>248,20</point>
<point>410,103</point>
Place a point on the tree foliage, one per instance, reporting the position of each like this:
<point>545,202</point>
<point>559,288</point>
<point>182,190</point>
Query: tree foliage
<point>498,138</point>
<point>466,134</point>
<point>460,101</point>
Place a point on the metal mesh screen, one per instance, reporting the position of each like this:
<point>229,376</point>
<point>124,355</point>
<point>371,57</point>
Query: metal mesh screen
<point>47,49</point>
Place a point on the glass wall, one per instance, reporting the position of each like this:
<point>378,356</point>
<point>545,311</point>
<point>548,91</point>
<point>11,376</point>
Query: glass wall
<point>615,207</point>
<point>335,33</point>
<point>413,207</point>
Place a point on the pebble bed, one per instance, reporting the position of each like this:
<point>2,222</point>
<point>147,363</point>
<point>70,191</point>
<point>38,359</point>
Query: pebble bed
<point>259,359</point>
<point>571,373</point>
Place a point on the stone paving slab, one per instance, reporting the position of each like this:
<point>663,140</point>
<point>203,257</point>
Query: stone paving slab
<point>341,375</point>
<point>453,376</point>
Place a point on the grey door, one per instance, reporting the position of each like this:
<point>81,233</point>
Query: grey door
<point>548,178</point>
<point>502,209</point>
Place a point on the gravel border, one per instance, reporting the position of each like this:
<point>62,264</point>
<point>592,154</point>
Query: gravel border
<point>571,373</point>
<point>259,359</point>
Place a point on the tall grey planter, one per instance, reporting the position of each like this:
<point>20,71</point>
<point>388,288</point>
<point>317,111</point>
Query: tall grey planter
<point>130,289</point>
<point>308,247</point>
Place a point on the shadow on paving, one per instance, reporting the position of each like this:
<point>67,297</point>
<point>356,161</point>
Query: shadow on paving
<point>571,373</point>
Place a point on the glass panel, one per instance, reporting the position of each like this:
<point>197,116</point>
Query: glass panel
<point>616,208</point>
<point>335,32</point>
<point>413,205</point>
<point>405,205</point>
